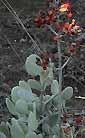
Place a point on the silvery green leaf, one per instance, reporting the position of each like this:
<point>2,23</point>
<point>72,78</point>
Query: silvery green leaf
<point>34,108</point>
<point>43,76</point>
<point>32,122</point>
<point>39,136</point>
<point>16,130</point>
<point>46,77</point>
<point>10,106</point>
<point>31,67</point>
<point>46,97</point>
<point>56,100</point>
<point>55,130</point>
<point>34,84</point>
<point>8,125</point>
<point>23,119</point>
<point>31,135</point>
<point>49,78</point>
<point>20,93</point>
<point>4,128</point>
<point>25,85</point>
<point>23,126</point>
<point>2,135</point>
<point>55,136</point>
<point>21,107</point>
<point>67,93</point>
<point>30,106</point>
<point>46,128</point>
<point>53,119</point>
<point>55,87</point>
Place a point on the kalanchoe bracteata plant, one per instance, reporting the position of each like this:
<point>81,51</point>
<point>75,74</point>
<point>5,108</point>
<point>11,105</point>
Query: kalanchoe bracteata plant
<point>41,115</point>
<point>36,115</point>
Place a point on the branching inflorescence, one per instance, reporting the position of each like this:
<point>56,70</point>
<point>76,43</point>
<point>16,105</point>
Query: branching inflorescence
<point>42,115</point>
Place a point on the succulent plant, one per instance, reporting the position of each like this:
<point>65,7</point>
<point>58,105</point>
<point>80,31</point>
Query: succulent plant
<point>32,110</point>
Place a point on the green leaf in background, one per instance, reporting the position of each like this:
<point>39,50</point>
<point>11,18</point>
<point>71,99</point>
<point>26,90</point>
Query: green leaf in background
<point>21,107</point>
<point>16,130</point>
<point>67,93</point>
<point>10,106</point>
<point>55,87</point>
<point>34,84</point>
<point>31,67</point>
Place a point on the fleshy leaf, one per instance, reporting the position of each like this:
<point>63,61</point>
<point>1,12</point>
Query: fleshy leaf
<point>43,76</point>
<point>67,93</point>
<point>16,130</point>
<point>33,135</point>
<point>20,93</point>
<point>2,135</point>
<point>23,126</point>
<point>24,85</point>
<point>4,128</point>
<point>10,106</point>
<point>54,87</point>
<point>34,84</point>
<point>32,122</point>
<point>31,67</point>
<point>45,128</point>
<point>49,79</point>
<point>21,107</point>
<point>46,77</point>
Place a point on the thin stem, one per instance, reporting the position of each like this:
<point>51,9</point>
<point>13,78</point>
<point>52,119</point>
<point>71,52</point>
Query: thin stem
<point>52,97</point>
<point>66,63</point>
<point>11,10</point>
<point>60,86</point>
<point>21,60</point>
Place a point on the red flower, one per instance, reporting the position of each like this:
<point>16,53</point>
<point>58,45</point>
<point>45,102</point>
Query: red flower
<point>57,26</point>
<point>67,130</point>
<point>47,20</point>
<point>64,7</point>
<point>50,13</point>
<point>66,26</point>
<point>69,14</point>
<point>78,44</point>
<point>72,50</point>
<point>45,60</point>
<point>38,21</point>
<point>73,22</point>
<point>78,120</point>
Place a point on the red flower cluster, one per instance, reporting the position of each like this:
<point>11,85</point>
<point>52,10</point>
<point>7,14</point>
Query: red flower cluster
<point>64,7</point>
<point>45,18</point>
<point>45,60</point>
<point>71,28</point>
<point>78,120</point>
<point>74,46</point>
<point>51,14</point>
<point>66,130</point>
